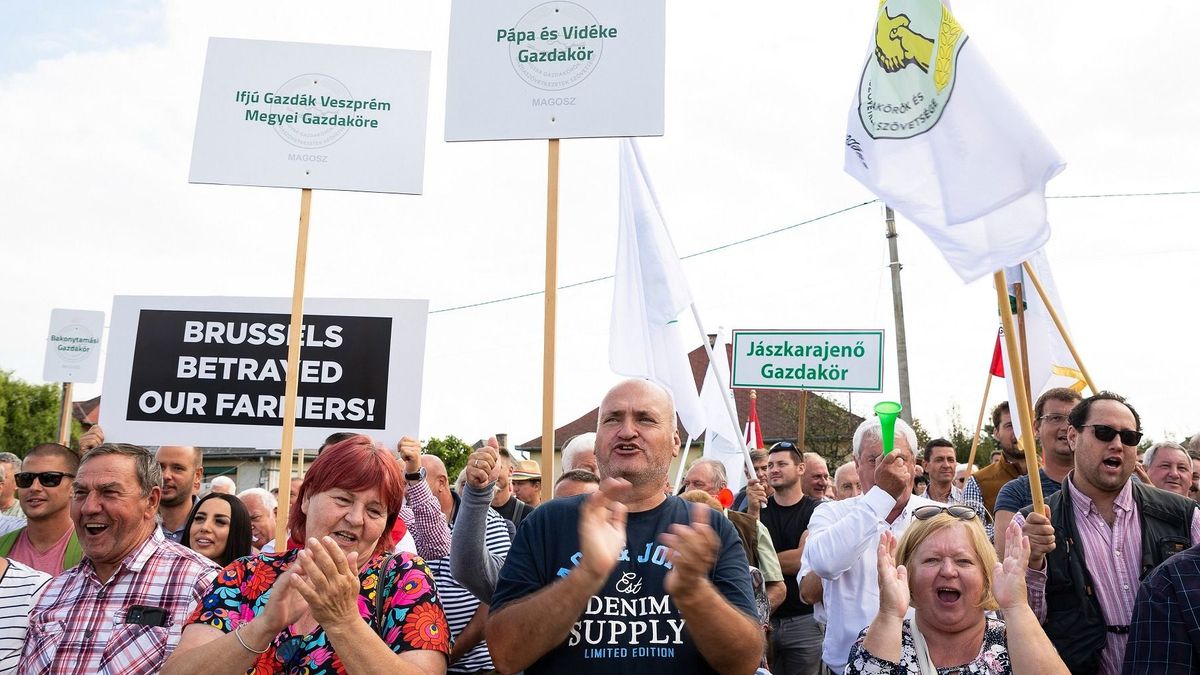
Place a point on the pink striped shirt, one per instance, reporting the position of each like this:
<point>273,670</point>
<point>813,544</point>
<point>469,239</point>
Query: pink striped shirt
<point>1113,557</point>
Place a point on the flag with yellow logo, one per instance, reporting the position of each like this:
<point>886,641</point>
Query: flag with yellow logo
<point>934,133</point>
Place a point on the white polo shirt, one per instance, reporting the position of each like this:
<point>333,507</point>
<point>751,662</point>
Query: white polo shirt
<point>841,549</point>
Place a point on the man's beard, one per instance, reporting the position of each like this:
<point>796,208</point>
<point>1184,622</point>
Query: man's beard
<point>179,498</point>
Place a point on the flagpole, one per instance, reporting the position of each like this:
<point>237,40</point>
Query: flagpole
<point>687,448</point>
<point>1019,293</point>
<point>1019,388</point>
<point>1062,330</point>
<point>550,323</point>
<point>978,426</point>
<point>724,387</point>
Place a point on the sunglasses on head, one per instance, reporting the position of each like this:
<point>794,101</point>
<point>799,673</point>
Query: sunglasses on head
<point>957,511</point>
<point>46,478</point>
<point>1105,433</point>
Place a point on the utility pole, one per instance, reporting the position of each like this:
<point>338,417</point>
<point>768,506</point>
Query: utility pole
<point>898,309</point>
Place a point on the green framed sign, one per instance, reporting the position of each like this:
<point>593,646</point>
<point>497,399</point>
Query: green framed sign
<point>816,360</point>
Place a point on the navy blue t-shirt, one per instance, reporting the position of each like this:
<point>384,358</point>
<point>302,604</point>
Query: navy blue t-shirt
<point>1016,495</point>
<point>631,625</point>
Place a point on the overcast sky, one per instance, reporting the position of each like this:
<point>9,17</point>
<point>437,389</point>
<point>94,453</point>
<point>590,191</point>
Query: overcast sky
<point>100,100</point>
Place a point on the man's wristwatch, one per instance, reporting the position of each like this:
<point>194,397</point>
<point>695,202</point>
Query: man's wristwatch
<point>416,476</point>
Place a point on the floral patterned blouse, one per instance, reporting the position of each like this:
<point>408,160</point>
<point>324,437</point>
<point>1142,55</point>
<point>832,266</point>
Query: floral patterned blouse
<point>412,614</point>
<point>992,658</point>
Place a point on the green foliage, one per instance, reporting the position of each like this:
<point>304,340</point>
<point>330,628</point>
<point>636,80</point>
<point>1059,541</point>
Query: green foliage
<point>923,436</point>
<point>452,451</point>
<point>961,437</point>
<point>28,414</point>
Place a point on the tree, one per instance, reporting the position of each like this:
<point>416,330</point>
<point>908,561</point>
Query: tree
<point>961,437</point>
<point>452,451</point>
<point>923,437</point>
<point>28,414</point>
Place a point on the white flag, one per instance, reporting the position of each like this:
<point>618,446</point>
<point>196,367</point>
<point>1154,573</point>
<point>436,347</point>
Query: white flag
<point>722,441</point>
<point>970,169</point>
<point>1050,362</point>
<point>649,292</point>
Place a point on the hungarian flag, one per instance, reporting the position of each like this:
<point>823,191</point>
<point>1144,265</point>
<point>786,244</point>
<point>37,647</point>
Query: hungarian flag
<point>753,428</point>
<point>998,356</point>
<point>934,134</point>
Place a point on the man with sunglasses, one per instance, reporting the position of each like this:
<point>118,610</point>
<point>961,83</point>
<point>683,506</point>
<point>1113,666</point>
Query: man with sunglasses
<point>1051,427</point>
<point>48,542</point>
<point>1113,531</point>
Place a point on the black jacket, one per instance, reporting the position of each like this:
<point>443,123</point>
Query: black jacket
<point>1074,622</point>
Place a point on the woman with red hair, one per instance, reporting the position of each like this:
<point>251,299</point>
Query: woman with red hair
<point>339,604</point>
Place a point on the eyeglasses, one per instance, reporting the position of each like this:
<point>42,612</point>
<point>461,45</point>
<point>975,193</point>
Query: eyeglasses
<point>1105,433</point>
<point>957,511</point>
<point>1053,419</point>
<point>46,478</point>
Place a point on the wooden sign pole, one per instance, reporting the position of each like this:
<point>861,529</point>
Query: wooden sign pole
<point>1019,293</point>
<point>550,322</point>
<point>64,415</point>
<point>1019,387</point>
<point>802,422</point>
<point>292,379</point>
<point>978,426</point>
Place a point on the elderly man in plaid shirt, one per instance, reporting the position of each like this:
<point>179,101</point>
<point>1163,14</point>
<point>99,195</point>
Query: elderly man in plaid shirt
<point>122,608</point>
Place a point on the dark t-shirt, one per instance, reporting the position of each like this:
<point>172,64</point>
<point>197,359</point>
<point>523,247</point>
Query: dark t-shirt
<point>786,525</point>
<point>631,625</point>
<point>514,510</point>
<point>1016,495</point>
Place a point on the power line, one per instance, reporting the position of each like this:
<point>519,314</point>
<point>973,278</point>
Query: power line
<point>779,230</point>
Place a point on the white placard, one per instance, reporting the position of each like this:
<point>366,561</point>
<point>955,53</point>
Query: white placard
<point>73,346</point>
<point>536,69</point>
<point>816,360</point>
<point>287,114</point>
<point>209,371</point>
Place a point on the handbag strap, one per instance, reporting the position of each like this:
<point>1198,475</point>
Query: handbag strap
<point>383,565</point>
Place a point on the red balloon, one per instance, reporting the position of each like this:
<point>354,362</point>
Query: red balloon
<point>725,496</point>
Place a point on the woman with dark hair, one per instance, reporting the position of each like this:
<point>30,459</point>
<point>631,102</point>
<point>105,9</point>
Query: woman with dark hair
<point>339,604</point>
<point>218,528</point>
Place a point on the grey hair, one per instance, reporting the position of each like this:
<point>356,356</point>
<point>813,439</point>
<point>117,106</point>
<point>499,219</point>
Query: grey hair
<point>267,498</point>
<point>848,466</point>
<point>9,458</point>
<point>720,478</point>
<point>149,474</point>
<point>816,456</point>
<point>871,430</point>
<point>1148,458</point>
<point>585,442</point>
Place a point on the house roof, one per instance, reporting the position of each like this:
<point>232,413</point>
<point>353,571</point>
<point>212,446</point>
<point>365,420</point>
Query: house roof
<point>87,412</point>
<point>778,410</point>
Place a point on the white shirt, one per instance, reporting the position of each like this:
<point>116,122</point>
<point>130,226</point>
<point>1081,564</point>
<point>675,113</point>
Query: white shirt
<point>842,541</point>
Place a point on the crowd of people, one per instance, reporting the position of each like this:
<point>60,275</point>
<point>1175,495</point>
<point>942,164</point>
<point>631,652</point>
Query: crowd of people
<point>115,561</point>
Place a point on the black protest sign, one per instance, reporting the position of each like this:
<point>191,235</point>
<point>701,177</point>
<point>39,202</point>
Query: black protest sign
<point>230,368</point>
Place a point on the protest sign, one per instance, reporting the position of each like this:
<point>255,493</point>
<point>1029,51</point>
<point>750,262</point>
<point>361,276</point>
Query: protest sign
<point>816,360</point>
<point>73,346</point>
<point>535,69</point>
<point>286,114</point>
<point>210,371</point>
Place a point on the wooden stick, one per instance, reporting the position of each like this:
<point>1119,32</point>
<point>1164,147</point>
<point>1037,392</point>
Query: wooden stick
<point>292,378</point>
<point>1062,330</point>
<point>64,416</point>
<point>687,448</point>
<point>802,420</point>
<point>979,426</point>
<point>1019,292</point>
<point>550,321</point>
<point>1019,389</point>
